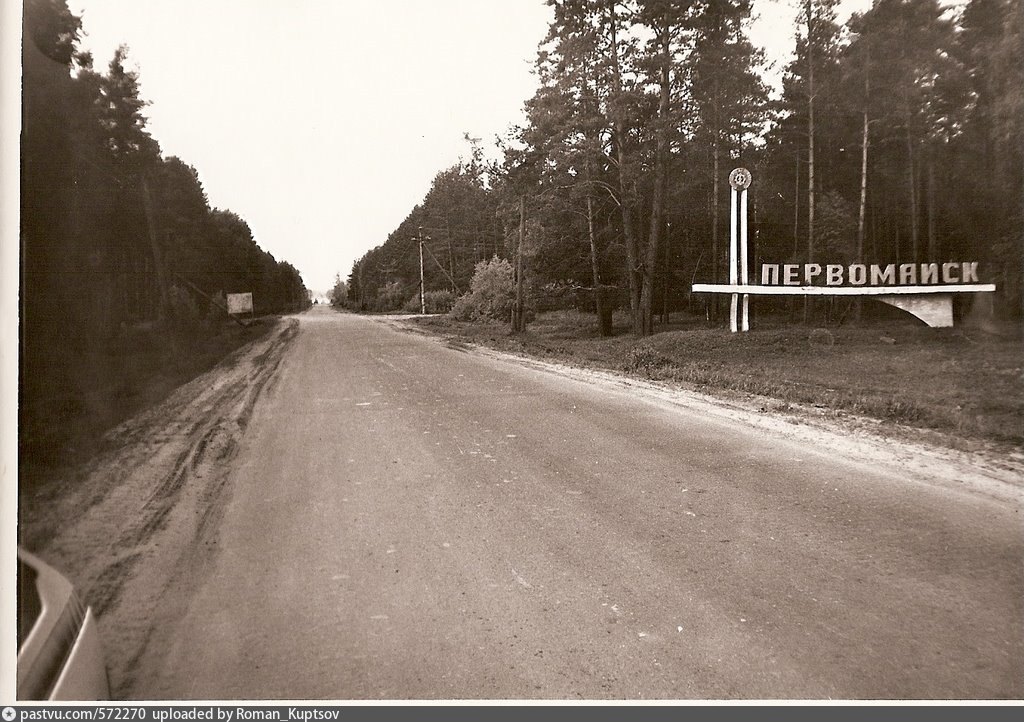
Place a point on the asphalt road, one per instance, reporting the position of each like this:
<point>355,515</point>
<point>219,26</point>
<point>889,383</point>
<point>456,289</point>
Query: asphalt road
<point>409,520</point>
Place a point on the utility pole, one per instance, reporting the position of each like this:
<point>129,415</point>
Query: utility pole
<point>423,300</point>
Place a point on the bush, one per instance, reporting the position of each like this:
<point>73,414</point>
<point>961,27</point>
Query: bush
<point>339,293</point>
<point>644,359</point>
<point>491,293</point>
<point>434,301</point>
<point>389,298</point>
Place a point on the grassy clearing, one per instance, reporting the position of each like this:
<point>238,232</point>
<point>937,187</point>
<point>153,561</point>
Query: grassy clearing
<point>949,380</point>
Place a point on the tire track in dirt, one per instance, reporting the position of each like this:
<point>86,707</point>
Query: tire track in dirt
<point>141,526</point>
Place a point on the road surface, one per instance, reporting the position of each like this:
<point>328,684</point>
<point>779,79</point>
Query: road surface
<point>401,518</point>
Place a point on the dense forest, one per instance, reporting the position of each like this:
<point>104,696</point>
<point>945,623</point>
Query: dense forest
<point>121,252</point>
<point>895,139</point>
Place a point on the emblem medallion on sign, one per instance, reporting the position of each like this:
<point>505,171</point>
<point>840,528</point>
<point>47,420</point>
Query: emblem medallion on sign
<point>739,179</point>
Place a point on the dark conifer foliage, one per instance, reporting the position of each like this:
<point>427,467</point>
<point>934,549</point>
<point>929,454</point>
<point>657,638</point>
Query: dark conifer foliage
<point>114,236</point>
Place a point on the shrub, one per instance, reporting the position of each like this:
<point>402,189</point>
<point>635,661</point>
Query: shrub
<point>440,301</point>
<point>389,298</point>
<point>491,293</point>
<point>644,359</point>
<point>434,301</point>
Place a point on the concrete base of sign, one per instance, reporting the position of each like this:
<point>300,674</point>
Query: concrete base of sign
<point>936,310</point>
<point>931,304</point>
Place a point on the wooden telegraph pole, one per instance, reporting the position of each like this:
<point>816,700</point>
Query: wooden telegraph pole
<point>423,300</point>
<point>420,239</point>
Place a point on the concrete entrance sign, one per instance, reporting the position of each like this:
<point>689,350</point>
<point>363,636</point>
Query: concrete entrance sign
<point>924,290</point>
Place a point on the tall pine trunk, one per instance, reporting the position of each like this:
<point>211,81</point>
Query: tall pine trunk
<point>862,210</point>
<point>518,314</point>
<point>604,317</point>
<point>810,143</point>
<point>933,246</point>
<point>625,180</point>
<point>154,244</point>
<point>796,206</point>
<point>912,187</point>
<point>602,307</point>
<point>451,261</point>
<point>658,199</point>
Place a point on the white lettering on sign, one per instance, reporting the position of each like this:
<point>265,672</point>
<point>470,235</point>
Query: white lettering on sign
<point>883,276</point>
<point>860,274</point>
<point>948,273</point>
<point>969,272</point>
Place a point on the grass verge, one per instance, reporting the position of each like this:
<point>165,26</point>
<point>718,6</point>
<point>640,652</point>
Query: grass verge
<point>963,383</point>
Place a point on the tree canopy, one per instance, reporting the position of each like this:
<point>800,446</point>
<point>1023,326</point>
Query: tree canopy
<point>114,235</point>
<point>108,223</point>
<point>895,139</point>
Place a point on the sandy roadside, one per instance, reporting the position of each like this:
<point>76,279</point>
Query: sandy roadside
<point>136,528</point>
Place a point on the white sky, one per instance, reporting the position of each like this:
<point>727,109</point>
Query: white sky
<point>323,122</point>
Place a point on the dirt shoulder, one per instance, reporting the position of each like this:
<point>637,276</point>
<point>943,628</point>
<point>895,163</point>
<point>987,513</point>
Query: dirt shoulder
<point>141,517</point>
<point>970,462</point>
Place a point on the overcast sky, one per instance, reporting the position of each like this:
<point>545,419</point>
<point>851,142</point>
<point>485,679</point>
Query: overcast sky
<point>323,122</point>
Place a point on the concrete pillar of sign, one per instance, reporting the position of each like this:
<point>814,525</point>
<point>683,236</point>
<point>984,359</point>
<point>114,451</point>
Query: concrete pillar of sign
<point>935,309</point>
